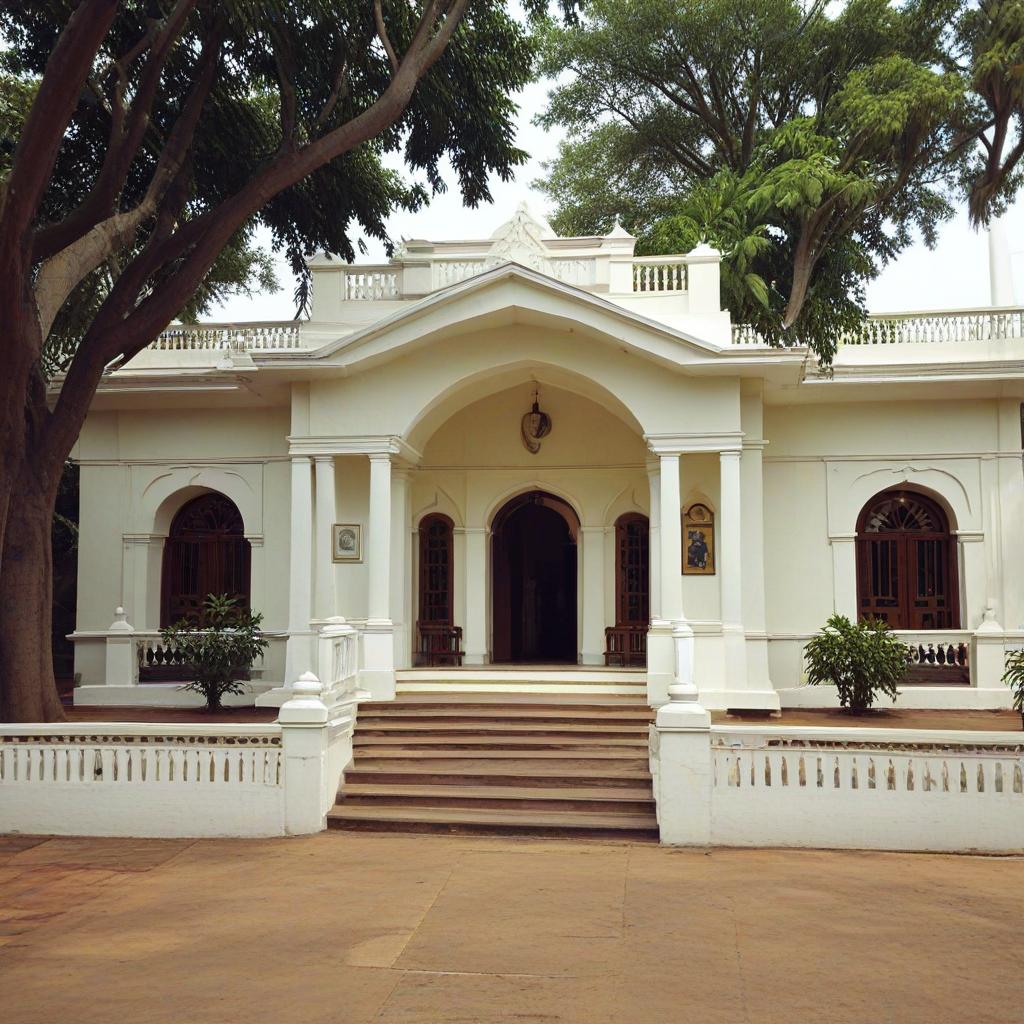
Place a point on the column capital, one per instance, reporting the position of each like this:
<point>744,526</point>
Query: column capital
<point>730,453</point>
<point>380,456</point>
<point>681,444</point>
<point>323,458</point>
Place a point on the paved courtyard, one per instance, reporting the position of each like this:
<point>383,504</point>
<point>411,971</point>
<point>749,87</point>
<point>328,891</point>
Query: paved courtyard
<point>350,929</point>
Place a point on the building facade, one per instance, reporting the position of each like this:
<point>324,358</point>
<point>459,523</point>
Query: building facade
<point>538,462</point>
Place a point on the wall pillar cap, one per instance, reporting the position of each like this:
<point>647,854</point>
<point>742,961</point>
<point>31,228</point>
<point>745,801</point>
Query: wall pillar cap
<point>120,623</point>
<point>989,623</point>
<point>304,707</point>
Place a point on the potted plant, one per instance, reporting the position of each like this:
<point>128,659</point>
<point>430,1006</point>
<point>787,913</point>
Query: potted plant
<point>220,650</point>
<point>1014,678</point>
<point>862,659</point>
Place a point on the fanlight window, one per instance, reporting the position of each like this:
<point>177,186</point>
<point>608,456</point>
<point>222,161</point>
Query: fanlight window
<point>906,565</point>
<point>901,512</point>
<point>205,553</point>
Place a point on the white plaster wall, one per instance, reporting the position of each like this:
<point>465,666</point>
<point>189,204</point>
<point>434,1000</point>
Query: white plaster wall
<point>137,470</point>
<point>823,462</point>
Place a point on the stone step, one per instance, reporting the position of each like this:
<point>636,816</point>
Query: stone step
<point>470,821</point>
<point>454,727</point>
<point>485,713</point>
<point>504,740</point>
<point>521,774</point>
<point>371,756</point>
<point>633,800</point>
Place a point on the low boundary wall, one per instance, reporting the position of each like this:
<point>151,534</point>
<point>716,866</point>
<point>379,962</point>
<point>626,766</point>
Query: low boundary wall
<point>872,789</point>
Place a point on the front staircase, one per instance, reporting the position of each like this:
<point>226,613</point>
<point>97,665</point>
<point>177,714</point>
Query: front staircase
<point>501,764</point>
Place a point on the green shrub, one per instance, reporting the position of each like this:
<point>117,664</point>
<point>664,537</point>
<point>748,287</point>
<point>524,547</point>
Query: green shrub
<point>1014,678</point>
<point>862,659</point>
<point>220,649</point>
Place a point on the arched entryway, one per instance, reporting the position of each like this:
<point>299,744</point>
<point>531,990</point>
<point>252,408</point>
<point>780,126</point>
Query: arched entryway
<point>205,553</point>
<point>534,580</point>
<point>906,563</point>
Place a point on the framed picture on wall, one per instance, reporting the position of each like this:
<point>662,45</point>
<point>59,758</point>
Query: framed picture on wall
<point>347,542</point>
<point>698,541</point>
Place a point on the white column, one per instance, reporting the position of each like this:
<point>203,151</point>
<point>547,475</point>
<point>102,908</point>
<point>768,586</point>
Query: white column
<point>400,551</point>
<point>378,673</point>
<point>299,651</point>
<point>669,639</point>
<point>754,602</point>
<point>654,584</point>
<point>592,647</point>
<point>325,517</point>
<point>379,541</point>
<point>671,541</point>
<point>475,636</point>
<point>730,562</point>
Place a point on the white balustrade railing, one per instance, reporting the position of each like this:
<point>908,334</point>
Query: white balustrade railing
<point>940,656</point>
<point>954,325</point>
<point>369,283</point>
<point>267,336</point>
<point>338,658</point>
<point>144,780</point>
<point>997,324</point>
<point>659,274</point>
<point>444,273</point>
<point>867,788</point>
<point>158,660</point>
<point>171,779</point>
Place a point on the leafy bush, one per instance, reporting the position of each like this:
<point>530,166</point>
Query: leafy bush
<point>862,659</point>
<point>220,649</point>
<point>1014,678</point>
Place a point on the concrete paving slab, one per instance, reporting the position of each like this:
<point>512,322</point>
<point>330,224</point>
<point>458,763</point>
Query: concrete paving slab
<point>354,929</point>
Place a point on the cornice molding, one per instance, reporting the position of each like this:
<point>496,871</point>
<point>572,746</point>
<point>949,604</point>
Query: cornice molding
<point>369,444</point>
<point>691,443</point>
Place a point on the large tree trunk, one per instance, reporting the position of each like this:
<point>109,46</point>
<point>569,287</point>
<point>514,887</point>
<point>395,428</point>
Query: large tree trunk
<point>28,692</point>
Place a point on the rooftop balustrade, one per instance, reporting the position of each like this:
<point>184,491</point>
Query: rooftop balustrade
<point>1002,323</point>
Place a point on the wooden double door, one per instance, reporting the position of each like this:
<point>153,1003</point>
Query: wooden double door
<point>906,564</point>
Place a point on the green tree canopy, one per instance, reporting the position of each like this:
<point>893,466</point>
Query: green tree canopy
<point>141,143</point>
<point>808,144</point>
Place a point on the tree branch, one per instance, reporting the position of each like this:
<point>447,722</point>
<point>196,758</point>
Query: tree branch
<point>61,273</point>
<point>382,34</point>
<point>127,133</point>
<point>34,158</point>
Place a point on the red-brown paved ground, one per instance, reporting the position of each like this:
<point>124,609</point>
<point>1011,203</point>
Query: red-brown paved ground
<point>349,929</point>
<point>1000,721</point>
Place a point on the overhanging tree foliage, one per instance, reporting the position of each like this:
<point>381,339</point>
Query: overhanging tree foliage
<point>809,143</point>
<point>143,140</point>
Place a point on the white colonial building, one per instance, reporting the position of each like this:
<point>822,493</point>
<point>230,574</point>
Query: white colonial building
<point>531,462</point>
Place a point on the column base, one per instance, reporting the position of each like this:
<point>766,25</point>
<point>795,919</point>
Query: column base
<point>377,671</point>
<point>661,662</point>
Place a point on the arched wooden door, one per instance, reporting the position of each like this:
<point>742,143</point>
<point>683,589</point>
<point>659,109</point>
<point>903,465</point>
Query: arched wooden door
<point>626,641</point>
<point>438,639</point>
<point>205,553</point>
<point>906,563</point>
<point>533,557</point>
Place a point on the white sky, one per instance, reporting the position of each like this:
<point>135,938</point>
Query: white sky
<point>953,275</point>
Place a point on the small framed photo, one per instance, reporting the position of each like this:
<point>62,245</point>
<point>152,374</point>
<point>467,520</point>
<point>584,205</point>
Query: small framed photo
<point>698,541</point>
<point>347,542</point>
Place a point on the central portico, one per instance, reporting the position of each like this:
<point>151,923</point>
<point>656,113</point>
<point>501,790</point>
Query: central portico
<point>485,545</point>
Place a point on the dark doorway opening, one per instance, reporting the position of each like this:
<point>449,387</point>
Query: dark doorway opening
<point>534,577</point>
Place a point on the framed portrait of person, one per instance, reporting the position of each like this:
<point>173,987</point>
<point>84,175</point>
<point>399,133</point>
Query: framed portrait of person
<point>698,541</point>
<point>347,542</point>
